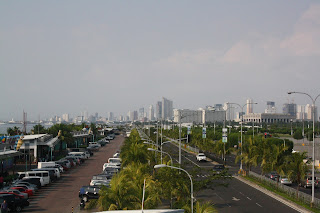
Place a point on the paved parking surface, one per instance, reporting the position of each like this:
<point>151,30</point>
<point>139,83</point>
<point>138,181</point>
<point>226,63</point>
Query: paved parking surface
<point>62,195</point>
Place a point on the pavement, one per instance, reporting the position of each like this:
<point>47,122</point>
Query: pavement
<point>63,195</point>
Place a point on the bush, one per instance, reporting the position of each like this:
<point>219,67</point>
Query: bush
<point>298,134</point>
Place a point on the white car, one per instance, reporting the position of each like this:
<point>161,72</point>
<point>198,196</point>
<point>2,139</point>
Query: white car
<point>116,155</point>
<point>201,157</point>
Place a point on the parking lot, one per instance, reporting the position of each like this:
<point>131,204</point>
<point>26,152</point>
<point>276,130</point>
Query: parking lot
<point>62,195</point>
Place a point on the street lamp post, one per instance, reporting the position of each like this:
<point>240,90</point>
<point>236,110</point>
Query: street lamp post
<point>163,165</point>
<point>313,159</point>
<point>241,127</point>
<point>155,150</point>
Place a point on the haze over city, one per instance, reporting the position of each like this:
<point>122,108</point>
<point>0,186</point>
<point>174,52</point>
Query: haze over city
<point>109,56</point>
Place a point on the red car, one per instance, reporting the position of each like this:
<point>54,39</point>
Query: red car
<point>12,193</point>
<point>24,190</point>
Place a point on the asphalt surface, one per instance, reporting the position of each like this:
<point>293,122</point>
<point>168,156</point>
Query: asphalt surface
<point>236,197</point>
<point>63,195</point>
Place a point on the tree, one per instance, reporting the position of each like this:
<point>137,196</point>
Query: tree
<point>206,207</point>
<point>296,168</point>
<point>39,129</point>
<point>297,134</point>
<point>14,131</point>
<point>250,154</point>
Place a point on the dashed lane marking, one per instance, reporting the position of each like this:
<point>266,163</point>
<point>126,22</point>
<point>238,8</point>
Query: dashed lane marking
<point>259,205</point>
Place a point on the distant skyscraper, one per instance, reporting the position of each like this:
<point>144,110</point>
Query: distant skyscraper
<point>271,107</point>
<point>135,115</point>
<point>167,109</point>
<point>141,113</point>
<point>229,111</point>
<point>111,116</point>
<point>309,111</point>
<point>301,112</point>
<point>218,107</point>
<point>290,109</point>
<point>159,110</point>
<point>249,106</point>
<point>151,113</point>
<point>65,117</point>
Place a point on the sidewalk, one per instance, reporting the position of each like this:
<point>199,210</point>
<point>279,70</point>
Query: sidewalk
<point>273,195</point>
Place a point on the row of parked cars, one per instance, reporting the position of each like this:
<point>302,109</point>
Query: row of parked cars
<point>27,183</point>
<point>109,169</point>
<point>306,183</point>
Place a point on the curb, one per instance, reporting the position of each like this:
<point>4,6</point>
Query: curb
<point>274,195</point>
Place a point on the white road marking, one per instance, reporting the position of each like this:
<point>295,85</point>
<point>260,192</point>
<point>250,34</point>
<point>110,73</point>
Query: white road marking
<point>218,196</point>
<point>249,198</point>
<point>235,199</point>
<point>241,193</point>
<point>258,204</point>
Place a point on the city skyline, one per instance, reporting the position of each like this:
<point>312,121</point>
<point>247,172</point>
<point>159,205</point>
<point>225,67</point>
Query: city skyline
<point>68,57</point>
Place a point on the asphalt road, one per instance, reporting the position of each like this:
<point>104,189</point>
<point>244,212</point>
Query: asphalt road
<point>236,197</point>
<point>62,196</point>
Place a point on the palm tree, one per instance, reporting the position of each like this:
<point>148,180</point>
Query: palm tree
<point>206,207</point>
<point>296,168</point>
<point>250,154</point>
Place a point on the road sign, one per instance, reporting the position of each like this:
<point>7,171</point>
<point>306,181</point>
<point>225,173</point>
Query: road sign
<point>189,130</point>
<point>224,130</point>
<point>204,132</point>
<point>224,139</point>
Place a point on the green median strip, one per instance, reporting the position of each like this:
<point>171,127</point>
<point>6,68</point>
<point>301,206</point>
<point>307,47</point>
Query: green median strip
<point>282,194</point>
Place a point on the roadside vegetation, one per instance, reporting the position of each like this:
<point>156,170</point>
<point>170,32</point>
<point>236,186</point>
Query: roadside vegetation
<point>162,185</point>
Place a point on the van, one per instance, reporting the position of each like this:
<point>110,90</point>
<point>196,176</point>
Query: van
<point>44,174</point>
<point>55,171</point>
<point>45,164</point>
<point>81,155</point>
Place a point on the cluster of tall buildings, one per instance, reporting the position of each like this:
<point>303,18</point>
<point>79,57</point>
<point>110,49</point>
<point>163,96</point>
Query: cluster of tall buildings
<point>163,110</point>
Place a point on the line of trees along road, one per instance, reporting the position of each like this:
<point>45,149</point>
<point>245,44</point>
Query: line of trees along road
<point>270,154</point>
<point>126,187</point>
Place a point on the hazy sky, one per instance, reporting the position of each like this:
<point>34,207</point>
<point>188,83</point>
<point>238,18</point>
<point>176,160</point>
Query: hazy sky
<point>69,56</point>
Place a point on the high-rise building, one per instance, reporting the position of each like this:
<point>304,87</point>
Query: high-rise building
<point>141,113</point>
<point>301,112</point>
<point>151,113</point>
<point>249,106</point>
<point>167,109</point>
<point>271,107</point>
<point>159,110</point>
<point>229,111</point>
<point>290,109</point>
<point>218,107</point>
<point>111,116</point>
<point>310,110</point>
<point>65,117</point>
<point>135,115</point>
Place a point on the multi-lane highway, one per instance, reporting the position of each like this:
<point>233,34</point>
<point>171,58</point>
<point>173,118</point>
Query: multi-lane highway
<point>237,196</point>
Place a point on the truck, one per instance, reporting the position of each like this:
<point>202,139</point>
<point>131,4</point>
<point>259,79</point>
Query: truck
<point>46,164</point>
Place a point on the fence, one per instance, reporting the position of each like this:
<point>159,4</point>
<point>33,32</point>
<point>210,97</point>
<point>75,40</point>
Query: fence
<point>292,192</point>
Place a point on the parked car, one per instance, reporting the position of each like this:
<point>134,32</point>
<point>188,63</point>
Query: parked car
<point>116,155</point>
<point>25,195</point>
<point>38,181</point>
<point>285,180</point>
<point>13,193</point>
<point>100,182</point>
<point>272,175</point>
<point>14,204</point>
<point>201,157</point>
<point>89,192</point>
<point>307,182</point>
<point>24,190</point>
<point>111,170</point>
<point>218,168</point>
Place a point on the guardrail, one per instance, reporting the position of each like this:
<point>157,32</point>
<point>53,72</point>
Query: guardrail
<point>292,192</point>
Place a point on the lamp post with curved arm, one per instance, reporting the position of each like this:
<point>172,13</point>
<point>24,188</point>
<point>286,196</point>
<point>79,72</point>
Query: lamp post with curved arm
<point>313,159</point>
<point>164,165</point>
<point>155,150</point>
<point>241,127</point>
